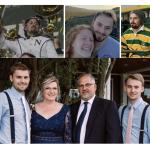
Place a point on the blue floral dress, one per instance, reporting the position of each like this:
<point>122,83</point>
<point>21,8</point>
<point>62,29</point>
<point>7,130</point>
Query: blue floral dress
<point>56,129</point>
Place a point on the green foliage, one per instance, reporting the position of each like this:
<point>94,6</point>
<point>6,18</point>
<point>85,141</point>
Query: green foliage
<point>66,70</point>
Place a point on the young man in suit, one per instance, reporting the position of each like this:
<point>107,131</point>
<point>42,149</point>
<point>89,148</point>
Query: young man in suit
<point>101,120</point>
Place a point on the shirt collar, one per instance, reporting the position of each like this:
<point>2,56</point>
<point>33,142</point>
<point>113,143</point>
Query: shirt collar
<point>90,101</point>
<point>137,103</point>
<point>16,93</point>
<point>140,29</point>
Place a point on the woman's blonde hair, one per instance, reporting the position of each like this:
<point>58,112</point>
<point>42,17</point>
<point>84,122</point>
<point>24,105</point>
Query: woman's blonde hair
<point>71,36</point>
<point>49,79</point>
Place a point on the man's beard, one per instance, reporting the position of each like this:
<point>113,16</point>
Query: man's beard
<point>134,26</point>
<point>33,33</point>
<point>96,39</point>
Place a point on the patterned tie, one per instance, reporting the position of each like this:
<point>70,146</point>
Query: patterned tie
<point>80,122</point>
<point>129,127</point>
<point>26,118</point>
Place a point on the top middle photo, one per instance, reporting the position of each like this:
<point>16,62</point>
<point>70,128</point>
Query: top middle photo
<point>92,31</point>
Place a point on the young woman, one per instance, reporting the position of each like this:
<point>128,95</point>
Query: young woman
<point>79,42</point>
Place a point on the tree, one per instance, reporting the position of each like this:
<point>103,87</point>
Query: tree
<point>105,67</point>
<point>66,70</point>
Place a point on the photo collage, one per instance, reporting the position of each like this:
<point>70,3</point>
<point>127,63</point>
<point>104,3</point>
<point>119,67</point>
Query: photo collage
<point>74,74</point>
<point>96,31</point>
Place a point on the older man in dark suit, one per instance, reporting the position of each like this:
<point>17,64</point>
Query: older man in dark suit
<point>94,120</point>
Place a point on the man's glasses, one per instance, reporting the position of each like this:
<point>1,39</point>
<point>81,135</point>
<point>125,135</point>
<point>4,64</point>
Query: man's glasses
<point>87,85</point>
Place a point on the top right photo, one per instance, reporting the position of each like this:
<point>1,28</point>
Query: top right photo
<point>135,31</point>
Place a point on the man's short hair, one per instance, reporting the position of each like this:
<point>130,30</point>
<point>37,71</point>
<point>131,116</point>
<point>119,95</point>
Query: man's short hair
<point>34,17</point>
<point>18,66</point>
<point>107,13</point>
<point>140,14</point>
<point>136,76</point>
<point>28,55</point>
<point>85,74</point>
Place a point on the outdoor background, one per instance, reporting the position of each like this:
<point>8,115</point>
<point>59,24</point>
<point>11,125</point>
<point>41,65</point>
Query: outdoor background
<point>109,74</point>
<point>75,15</point>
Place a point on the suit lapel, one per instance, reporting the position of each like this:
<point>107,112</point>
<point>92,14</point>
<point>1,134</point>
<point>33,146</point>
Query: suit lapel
<point>92,116</point>
<point>76,109</point>
<point>74,117</point>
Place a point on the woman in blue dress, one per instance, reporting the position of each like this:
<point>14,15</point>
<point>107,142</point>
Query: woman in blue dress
<point>50,121</point>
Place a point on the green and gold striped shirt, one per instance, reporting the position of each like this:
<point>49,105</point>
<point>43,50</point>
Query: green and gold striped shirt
<point>139,41</point>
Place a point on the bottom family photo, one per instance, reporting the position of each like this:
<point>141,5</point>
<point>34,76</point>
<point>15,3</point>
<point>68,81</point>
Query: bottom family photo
<point>58,101</point>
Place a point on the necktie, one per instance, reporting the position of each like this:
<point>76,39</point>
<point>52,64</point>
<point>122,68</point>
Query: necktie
<point>80,122</point>
<point>26,118</point>
<point>129,127</point>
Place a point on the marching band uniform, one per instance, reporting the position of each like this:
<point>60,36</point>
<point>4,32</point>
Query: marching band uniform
<point>39,46</point>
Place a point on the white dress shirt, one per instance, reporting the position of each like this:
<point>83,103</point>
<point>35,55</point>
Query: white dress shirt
<point>83,128</point>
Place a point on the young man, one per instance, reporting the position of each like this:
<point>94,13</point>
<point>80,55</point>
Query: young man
<point>94,120</point>
<point>17,131</point>
<point>131,114</point>
<point>138,36</point>
<point>102,25</point>
<point>32,42</point>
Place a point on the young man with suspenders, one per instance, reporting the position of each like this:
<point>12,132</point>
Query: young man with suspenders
<point>14,110</point>
<point>135,116</point>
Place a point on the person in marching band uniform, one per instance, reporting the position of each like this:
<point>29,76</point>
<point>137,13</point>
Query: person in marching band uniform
<point>32,42</point>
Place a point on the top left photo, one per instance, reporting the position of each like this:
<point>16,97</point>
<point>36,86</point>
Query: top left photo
<point>31,31</point>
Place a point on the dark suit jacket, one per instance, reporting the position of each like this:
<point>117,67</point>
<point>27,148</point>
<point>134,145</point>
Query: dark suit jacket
<point>103,125</point>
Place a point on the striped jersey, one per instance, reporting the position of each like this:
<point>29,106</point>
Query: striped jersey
<point>139,41</point>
